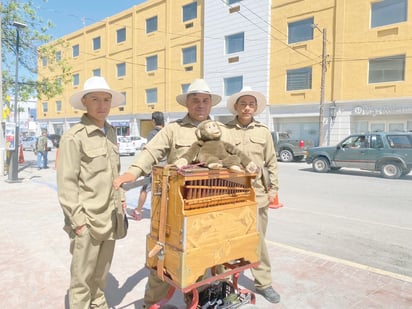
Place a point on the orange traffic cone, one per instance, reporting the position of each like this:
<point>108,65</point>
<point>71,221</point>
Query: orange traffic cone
<point>21,155</point>
<point>276,203</point>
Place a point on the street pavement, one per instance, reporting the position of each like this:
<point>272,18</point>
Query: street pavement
<point>35,259</point>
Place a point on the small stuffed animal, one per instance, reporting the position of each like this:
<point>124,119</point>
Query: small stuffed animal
<point>213,152</point>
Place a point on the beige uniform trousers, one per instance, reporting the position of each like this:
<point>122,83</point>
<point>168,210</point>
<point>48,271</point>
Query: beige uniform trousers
<point>262,273</point>
<point>89,269</point>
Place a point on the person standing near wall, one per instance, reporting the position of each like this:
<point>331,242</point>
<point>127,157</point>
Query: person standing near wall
<point>41,150</point>
<point>171,143</point>
<point>254,138</point>
<point>88,163</point>
<point>158,123</point>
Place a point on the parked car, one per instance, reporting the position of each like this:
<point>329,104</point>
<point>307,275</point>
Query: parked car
<point>125,146</point>
<point>29,143</point>
<point>389,153</point>
<point>138,141</point>
<point>289,149</point>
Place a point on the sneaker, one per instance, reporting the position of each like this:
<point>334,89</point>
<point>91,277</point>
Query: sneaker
<point>270,294</point>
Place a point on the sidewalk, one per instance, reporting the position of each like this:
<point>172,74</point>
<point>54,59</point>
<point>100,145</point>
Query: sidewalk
<point>34,261</point>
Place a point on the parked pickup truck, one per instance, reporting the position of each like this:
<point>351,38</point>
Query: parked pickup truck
<point>289,149</point>
<point>389,153</point>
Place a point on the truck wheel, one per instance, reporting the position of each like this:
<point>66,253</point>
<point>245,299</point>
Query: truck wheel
<point>391,170</point>
<point>286,155</point>
<point>320,165</point>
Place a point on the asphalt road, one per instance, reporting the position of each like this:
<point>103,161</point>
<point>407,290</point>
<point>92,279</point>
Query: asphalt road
<point>351,215</point>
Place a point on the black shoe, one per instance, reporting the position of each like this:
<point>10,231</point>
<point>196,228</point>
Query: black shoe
<point>270,294</point>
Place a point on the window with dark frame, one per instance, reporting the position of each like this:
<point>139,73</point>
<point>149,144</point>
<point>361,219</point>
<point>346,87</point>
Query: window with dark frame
<point>300,31</point>
<point>387,12</point>
<point>151,24</point>
<point>189,11</point>
<point>299,79</point>
<point>387,69</point>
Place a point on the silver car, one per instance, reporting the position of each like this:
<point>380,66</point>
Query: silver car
<point>125,146</point>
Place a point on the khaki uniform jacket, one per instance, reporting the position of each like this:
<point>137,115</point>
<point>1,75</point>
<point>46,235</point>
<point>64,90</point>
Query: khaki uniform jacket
<point>256,141</point>
<point>87,164</point>
<point>171,142</point>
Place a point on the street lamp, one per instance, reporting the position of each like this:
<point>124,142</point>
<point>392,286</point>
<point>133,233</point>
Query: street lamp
<point>13,167</point>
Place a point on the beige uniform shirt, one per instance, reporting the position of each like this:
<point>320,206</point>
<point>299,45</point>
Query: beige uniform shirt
<point>171,142</point>
<point>256,141</point>
<point>87,164</point>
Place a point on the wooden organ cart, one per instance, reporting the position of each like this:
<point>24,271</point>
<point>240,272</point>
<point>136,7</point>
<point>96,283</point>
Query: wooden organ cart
<point>200,219</point>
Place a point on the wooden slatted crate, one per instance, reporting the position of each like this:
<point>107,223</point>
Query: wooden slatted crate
<point>210,219</point>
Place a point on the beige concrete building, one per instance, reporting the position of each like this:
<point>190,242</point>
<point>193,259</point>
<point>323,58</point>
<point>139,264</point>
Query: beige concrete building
<point>149,52</point>
<point>367,61</point>
<point>350,57</point>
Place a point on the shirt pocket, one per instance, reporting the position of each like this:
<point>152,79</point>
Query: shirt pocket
<point>95,159</point>
<point>257,145</point>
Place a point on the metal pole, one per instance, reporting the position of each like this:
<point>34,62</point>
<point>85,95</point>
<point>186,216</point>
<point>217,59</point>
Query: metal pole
<point>2,141</point>
<point>13,168</point>
<point>322,89</point>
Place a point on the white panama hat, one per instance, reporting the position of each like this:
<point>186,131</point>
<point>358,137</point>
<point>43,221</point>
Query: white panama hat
<point>95,84</point>
<point>260,100</point>
<point>198,86</point>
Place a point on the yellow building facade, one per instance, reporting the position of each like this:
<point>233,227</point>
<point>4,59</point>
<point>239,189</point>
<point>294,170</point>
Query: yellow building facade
<point>150,53</point>
<point>367,60</point>
<point>335,66</point>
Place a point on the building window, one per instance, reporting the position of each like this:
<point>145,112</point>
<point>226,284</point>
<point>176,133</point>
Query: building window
<point>235,43</point>
<point>96,43</point>
<point>189,55</point>
<point>189,11</point>
<point>44,61</point>
<point>59,81</point>
<point>233,85</point>
<point>75,50</point>
<point>124,102</point>
<point>58,106</point>
<point>151,63</point>
<point>299,79</point>
<point>151,24</point>
<point>76,79</point>
<point>96,72</point>
<point>121,35</point>
<point>232,1</point>
<point>387,69</point>
<point>301,30</point>
<point>151,96</point>
<point>45,107</point>
<point>388,12</point>
<point>58,56</point>
<point>185,87</point>
<point>121,69</point>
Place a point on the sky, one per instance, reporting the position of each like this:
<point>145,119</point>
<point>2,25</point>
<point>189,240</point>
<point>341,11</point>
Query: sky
<point>71,15</point>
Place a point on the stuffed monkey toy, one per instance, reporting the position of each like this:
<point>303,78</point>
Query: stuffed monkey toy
<point>213,152</point>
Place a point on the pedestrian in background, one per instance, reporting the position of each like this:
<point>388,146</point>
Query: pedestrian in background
<point>41,150</point>
<point>171,143</point>
<point>254,138</point>
<point>94,212</point>
<point>158,123</point>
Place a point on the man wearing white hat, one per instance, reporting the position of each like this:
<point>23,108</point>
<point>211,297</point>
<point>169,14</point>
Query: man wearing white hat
<point>171,143</point>
<point>88,163</point>
<point>254,138</point>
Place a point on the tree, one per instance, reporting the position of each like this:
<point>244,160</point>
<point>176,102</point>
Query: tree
<point>34,46</point>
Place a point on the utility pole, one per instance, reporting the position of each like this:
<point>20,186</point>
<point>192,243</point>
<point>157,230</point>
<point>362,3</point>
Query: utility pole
<point>322,88</point>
